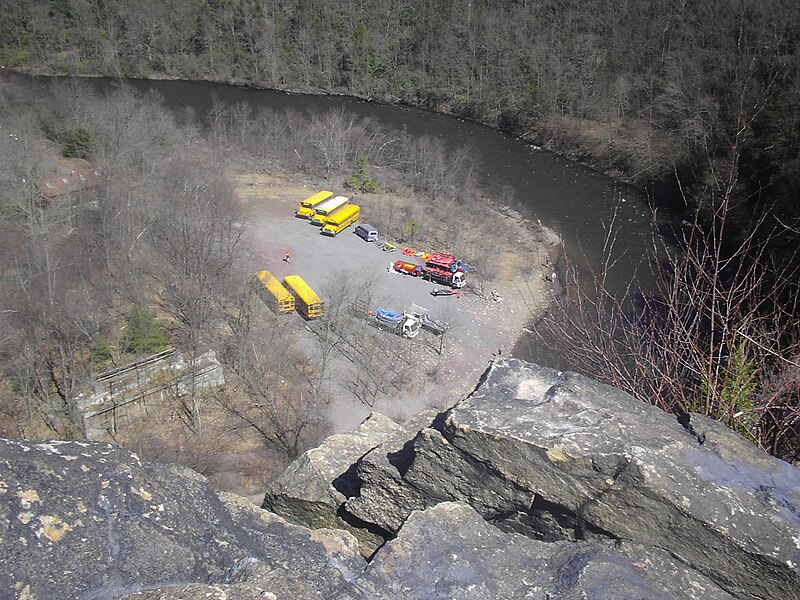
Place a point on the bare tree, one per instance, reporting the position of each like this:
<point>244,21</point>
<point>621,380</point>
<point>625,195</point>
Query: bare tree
<point>285,415</point>
<point>195,234</point>
<point>45,273</point>
<point>329,330</point>
<point>377,368</point>
<point>721,337</point>
<point>272,388</point>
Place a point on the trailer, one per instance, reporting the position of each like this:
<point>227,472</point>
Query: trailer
<point>385,316</point>
<point>386,246</point>
<point>444,292</point>
<point>446,262</point>
<point>445,268</point>
<point>456,279</point>
<point>435,326</point>
<point>407,268</point>
<point>440,267</point>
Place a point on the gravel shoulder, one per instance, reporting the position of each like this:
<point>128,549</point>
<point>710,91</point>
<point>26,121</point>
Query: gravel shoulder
<point>480,326</point>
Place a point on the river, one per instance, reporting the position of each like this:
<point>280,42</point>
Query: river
<point>576,201</point>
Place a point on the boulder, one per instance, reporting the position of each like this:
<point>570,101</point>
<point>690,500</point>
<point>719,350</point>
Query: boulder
<point>449,552</point>
<point>384,497</point>
<point>312,490</point>
<point>558,456</point>
<point>90,520</point>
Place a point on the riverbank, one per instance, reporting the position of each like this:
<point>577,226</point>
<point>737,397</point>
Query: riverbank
<point>487,319</point>
<point>624,149</point>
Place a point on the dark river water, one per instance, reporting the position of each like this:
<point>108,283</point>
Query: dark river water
<point>574,200</point>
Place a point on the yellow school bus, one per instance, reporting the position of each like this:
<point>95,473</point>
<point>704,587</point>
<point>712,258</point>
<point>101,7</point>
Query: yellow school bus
<point>307,302</point>
<point>276,295</point>
<point>341,219</point>
<point>322,211</point>
<point>306,210</point>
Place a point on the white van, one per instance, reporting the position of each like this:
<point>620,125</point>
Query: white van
<point>367,232</point>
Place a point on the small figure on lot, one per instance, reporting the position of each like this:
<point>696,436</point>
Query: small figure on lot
<point>553,277</point>
<point>287,258</point>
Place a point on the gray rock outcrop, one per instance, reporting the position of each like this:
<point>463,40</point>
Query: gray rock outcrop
<point>449,552</point>
<point>559,457</point>
<point>380,480</point>
<point>89,520</point>
<point>312,490</point>
<point>540,485</point>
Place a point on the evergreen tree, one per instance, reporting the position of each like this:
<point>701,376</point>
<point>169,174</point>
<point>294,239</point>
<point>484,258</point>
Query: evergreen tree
<point>361,180</point>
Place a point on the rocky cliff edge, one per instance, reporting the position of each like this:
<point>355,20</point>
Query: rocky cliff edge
<point>541,485</point>
<point>562,459</point>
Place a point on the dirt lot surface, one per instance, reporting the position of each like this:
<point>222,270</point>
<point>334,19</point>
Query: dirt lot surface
<point>479,325</point>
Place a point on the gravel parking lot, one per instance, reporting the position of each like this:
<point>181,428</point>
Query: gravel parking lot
<point>480,327</point>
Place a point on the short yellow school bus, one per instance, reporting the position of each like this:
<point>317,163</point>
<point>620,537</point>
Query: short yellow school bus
<point>277,296</point>
<point>306,210</point>
<point>307,302</point>
<point>341,219</point>
<point>322,211</point>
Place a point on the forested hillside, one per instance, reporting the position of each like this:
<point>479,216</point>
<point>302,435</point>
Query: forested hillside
<point>663,76</point>
<point>640,89</point>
